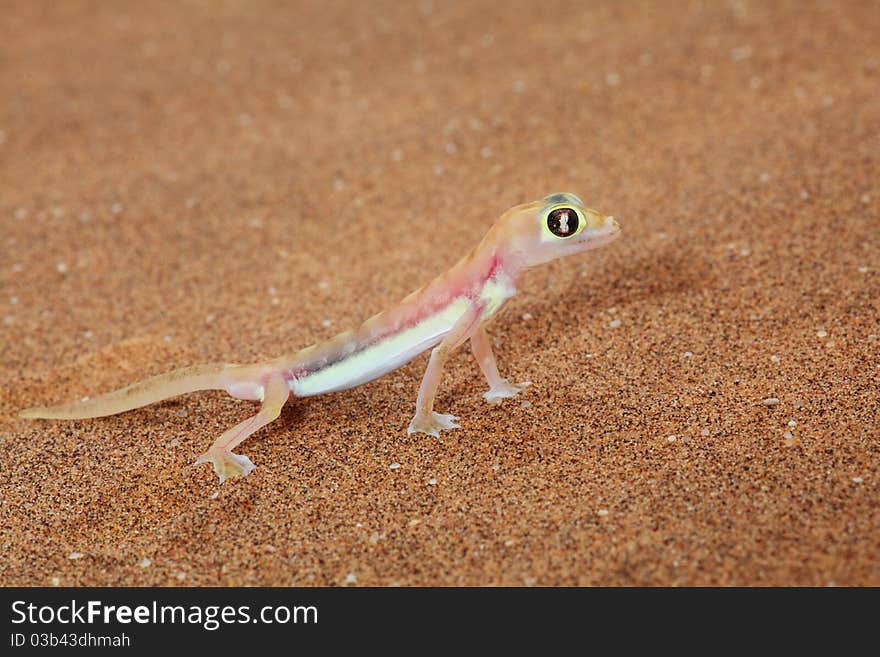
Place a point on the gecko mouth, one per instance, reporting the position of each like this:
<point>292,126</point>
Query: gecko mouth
<point>605,239</point>
<point>602,236</point>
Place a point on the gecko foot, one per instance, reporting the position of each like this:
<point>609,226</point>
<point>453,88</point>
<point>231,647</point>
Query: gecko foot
<point>504,390</point>
<point>226,464</point>
<point>432,424</point>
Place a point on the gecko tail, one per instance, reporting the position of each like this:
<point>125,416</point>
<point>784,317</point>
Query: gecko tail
<point>142,393</point>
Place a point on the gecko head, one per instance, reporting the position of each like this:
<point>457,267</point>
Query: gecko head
<point>558,225</point>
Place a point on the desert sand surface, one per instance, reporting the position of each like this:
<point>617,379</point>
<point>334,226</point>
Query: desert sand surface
<point>186,182</point>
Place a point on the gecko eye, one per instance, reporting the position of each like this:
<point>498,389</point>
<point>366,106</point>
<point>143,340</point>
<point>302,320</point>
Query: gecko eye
<point>563,222</point>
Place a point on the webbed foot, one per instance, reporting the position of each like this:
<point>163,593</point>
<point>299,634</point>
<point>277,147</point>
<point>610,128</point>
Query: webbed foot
<point>432,424</point>
<point>504,390</point>
<point>226,464</point>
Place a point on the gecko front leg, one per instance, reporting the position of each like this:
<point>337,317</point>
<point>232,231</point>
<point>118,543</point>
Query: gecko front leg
<point>426,420</point>
<point>499,388</point>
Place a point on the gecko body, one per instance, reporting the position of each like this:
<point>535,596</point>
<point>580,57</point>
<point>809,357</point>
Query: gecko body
<point>391,339</point>
<point>453,308</point>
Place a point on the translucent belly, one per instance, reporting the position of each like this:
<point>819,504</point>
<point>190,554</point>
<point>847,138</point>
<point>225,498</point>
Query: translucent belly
<point>372,361</point>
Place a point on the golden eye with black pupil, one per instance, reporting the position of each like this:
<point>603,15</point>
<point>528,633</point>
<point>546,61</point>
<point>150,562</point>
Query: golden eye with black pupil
<point>563,222</point>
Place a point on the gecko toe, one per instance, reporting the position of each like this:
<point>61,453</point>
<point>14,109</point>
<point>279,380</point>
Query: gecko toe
<point>432,424</point>
<point>226,464</point>
<point>504,390</point>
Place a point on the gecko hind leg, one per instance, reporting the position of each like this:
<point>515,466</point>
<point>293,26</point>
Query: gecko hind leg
<point>273,392</point>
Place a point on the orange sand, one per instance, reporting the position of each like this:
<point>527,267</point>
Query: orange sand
<point>191,182</point>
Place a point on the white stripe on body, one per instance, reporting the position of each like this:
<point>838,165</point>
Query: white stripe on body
<point>388,354</point>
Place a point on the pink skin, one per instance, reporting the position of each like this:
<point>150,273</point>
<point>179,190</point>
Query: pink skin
<point>453,308</point>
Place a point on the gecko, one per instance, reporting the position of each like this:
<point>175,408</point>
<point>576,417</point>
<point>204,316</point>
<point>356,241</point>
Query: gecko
<point>440,316</point>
